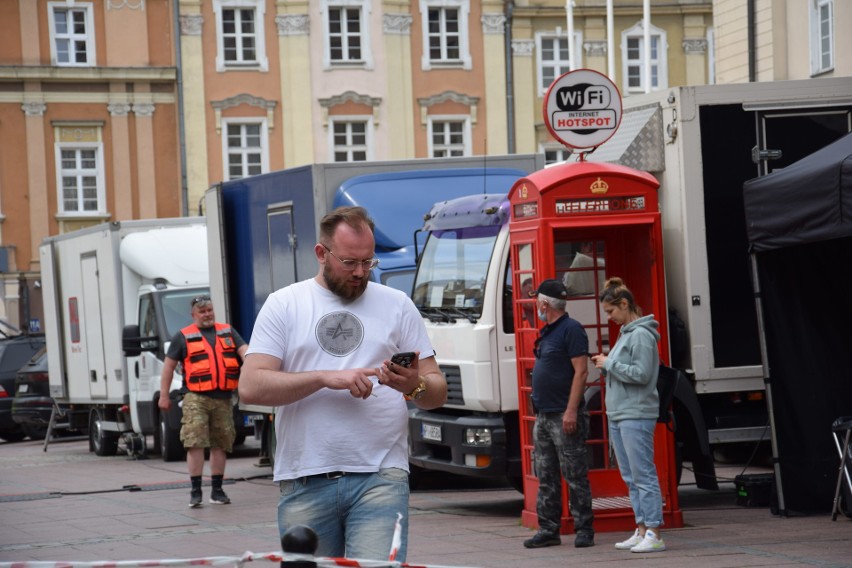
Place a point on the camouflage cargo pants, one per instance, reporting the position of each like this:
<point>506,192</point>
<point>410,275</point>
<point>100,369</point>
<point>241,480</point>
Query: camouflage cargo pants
<point>559,455</point>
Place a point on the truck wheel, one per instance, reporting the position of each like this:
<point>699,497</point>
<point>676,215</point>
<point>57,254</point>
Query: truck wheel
<point>171,448</point>
<point>101,441</point>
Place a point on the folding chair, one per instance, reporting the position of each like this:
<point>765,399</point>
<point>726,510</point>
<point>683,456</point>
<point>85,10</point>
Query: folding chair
<point>838,427</point>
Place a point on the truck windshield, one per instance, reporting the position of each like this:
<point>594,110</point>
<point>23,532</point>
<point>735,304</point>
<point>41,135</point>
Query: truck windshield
<point>176,306</point>
<point>451,275</point>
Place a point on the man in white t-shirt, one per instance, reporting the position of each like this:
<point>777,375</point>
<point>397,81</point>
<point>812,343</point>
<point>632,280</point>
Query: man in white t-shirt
<point>321,353</point>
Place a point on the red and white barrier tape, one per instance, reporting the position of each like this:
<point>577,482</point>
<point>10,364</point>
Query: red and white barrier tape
<point>225,562</point>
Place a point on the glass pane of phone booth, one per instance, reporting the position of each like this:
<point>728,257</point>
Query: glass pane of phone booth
<point>581,265</point>
<point>526,333</point>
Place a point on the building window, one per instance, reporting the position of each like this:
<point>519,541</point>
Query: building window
<point>245,148</point>
<point>347,28</point>
<point>445,33</point>
<point>240,34</point>
<point>351,139</point>
<point>81,179</point>
<point>72,34</point>
<point>822,36</point>
<point>554,57</point>
<point>633,49</point>
<point>449,136</point>
<point>555,154</point>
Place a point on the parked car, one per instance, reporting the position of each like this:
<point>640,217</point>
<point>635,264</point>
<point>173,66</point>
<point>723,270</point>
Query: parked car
<point>32,405</point>
<point>15,351</point>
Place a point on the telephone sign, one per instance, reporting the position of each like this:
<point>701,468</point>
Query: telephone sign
<point>582,108</point>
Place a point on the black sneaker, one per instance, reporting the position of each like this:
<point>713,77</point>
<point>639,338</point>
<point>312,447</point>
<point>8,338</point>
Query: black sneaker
<point>540,540</point>
<point>584,540</point>
<point>218,497</point>
<point>195,498</point>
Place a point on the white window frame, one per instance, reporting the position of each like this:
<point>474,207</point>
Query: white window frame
<point>464,60</point>
<point>817,38</point>
<point>99,175</point>
<point>349,119</point>
<point>637,31</point>
<point>466,131</point>
<point>577,48</point>
<point>91,56</point>
<point>264,144</point>
<point>366,60</point>
<point>564,153</point>
<point>262,62</point>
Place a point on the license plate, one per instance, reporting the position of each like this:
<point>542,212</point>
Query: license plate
<point>431,432</point>
<point>23,389</point>
<point>250,419</point>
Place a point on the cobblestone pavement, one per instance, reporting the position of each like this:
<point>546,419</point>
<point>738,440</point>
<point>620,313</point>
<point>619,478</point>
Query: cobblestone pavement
<point>67,504</point>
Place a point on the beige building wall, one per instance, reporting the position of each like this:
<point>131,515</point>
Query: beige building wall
<point>685,24</point>
<point>494,61</point>
<point>399,114</point>
<point>293,27</point>
<point>782,39</point>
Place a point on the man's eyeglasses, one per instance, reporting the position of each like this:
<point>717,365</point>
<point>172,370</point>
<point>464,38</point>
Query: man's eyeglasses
<point>200,300</point>
<point>351,264</point>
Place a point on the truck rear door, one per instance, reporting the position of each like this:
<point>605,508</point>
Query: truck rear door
<point>93,327</point>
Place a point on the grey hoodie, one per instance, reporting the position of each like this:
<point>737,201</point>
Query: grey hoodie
<point>631,369</point>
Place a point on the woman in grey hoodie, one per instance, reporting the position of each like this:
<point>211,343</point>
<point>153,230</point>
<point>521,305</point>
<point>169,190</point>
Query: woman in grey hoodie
<point>632,406</point>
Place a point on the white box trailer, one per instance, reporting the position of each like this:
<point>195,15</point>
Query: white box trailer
<point>98,280</point>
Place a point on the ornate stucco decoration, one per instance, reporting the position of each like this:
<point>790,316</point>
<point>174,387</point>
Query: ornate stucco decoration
<point>244,99</point>
<point>293,24</point>
<point>426,102</point>
<point>350,96</point>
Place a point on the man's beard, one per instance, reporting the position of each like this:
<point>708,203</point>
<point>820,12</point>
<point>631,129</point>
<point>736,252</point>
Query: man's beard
<point>341,287</point>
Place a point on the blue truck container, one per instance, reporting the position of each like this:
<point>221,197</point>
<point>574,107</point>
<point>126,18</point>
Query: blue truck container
<point>262,229</point>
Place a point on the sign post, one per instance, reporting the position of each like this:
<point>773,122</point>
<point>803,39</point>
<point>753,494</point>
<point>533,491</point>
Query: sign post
<point>582,109</point>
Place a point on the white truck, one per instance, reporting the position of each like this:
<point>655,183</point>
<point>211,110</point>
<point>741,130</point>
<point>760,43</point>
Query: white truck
<point>121,285</point>
<point>702,143</point>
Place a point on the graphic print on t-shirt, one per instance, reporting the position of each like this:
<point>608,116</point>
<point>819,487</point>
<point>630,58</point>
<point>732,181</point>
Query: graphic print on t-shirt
<point>339,333</point>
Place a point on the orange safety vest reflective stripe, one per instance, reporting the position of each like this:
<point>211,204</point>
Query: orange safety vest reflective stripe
<point>206,368</point>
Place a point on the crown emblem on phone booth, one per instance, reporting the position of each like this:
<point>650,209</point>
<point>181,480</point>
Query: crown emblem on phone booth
<point>599,186</point>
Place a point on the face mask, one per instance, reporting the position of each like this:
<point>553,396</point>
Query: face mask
<point>542,315</point>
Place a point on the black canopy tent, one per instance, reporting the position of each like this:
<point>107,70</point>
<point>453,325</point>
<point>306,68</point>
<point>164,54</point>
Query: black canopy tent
<point>799,223</point>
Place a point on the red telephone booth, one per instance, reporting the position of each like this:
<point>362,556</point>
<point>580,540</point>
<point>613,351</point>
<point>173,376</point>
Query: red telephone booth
<point>583,222</point>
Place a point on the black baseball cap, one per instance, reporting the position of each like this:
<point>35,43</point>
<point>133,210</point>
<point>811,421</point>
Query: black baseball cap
<point>551,288</point>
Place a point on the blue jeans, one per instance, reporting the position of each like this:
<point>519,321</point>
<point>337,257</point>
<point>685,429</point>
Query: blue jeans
<point>633,442</point>
<point>354,516</point>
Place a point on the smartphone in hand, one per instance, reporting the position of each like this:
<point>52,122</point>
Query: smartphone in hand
<point>403,359</point>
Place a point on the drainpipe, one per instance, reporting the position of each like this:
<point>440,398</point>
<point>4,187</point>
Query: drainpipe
<point>752,47</point>
<point>510,80</point>
<point>184,190</point>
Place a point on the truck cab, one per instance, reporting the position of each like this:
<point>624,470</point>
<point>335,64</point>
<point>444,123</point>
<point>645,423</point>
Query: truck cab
<point>463,289</point>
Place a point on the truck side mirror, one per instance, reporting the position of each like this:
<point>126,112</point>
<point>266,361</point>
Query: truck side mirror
<point>133,345</point>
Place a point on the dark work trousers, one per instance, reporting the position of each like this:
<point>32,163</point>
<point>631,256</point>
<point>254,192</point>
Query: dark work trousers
<point>558,455</point>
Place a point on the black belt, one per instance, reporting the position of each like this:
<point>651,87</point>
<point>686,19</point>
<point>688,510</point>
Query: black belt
<point>327,475</point>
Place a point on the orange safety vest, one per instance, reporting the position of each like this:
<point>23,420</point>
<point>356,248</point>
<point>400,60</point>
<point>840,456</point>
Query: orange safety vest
<point>207,368</point>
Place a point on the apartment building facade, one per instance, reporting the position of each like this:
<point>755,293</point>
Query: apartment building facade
<point>126,109</point>
<point>88,124</point>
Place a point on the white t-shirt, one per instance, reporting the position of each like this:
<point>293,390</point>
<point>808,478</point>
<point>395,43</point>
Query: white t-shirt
<point>310,328</point>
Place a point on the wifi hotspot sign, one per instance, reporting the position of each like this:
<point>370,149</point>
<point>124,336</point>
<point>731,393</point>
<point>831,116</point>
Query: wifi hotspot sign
<point>582,108</point>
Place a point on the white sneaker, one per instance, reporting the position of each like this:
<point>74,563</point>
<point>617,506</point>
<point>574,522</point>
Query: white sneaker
<point>630,542</point>
<point>651,543</point>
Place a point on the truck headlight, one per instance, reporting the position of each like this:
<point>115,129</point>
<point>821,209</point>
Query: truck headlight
<point>477,436</point>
